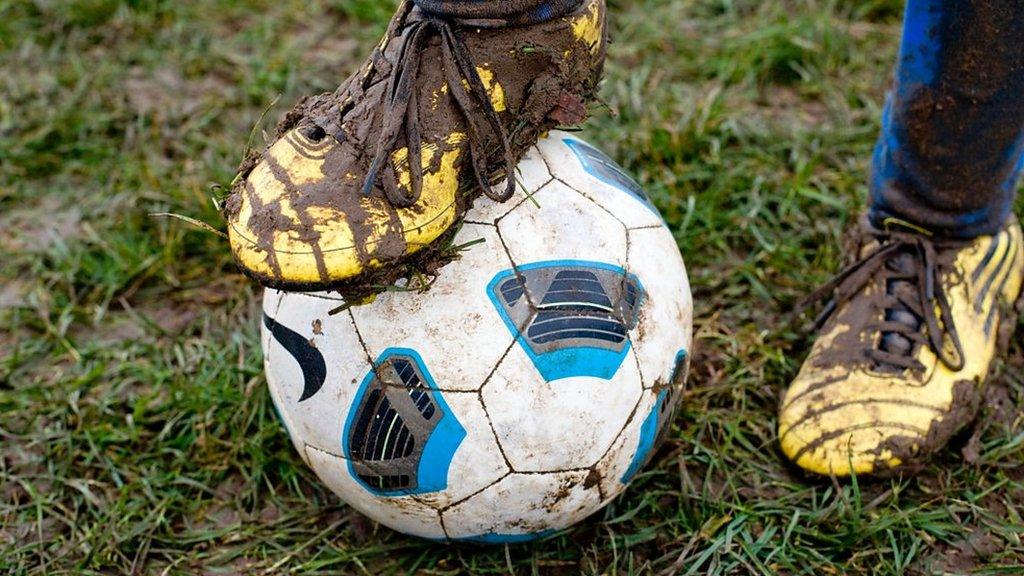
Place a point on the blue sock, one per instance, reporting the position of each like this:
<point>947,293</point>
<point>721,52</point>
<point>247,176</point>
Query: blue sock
<point>516,12</point>
<point>953,131</point>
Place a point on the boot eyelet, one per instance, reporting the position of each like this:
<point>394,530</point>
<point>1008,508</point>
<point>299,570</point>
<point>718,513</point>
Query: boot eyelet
<point>314,133</point>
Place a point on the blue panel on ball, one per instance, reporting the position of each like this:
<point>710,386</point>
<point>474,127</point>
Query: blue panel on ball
<point>600,166</point>
<point>571,317</point>
<point>679,373</point>
<point>648,434</point>
<point>400,435</point>
<point>658,420</point>
<point>506,538</point>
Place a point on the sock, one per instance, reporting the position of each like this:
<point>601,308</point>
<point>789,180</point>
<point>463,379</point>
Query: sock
<point>952,144</point>
<point>515,12</point>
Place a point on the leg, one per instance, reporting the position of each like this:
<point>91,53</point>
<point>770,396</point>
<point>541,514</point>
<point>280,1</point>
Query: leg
<point>951,146</point>
<point>366,184</point>
<point>913,324</point>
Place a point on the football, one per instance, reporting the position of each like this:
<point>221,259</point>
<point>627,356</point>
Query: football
<point>524,389</point>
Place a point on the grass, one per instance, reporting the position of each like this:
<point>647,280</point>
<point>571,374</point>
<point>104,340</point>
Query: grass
<point>136,431</point>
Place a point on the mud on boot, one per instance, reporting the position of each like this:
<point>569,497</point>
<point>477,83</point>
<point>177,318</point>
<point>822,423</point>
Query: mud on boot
<point>905,347</point>
<point>361,185</point>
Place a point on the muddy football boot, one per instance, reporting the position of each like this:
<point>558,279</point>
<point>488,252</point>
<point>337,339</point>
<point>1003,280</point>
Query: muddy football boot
<point>336,203</point>
<point>905,346</point>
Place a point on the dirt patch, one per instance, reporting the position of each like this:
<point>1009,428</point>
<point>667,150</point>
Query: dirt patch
<point>999,411</point>
<point>168,319</point>
<point>154,316</point>
<point>786,104</point>
<point>33,227</point>
<point>326,49</point>
<point>963,556</point>
<point>23,468</point>
<point>13,293</point>
<point>167,92</point>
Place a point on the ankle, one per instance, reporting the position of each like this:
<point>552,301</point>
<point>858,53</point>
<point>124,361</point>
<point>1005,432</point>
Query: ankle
<point>514,12</point>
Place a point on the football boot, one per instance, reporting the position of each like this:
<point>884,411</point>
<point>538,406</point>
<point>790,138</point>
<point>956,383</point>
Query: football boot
<point>366,185</point>
<point>905,345</point>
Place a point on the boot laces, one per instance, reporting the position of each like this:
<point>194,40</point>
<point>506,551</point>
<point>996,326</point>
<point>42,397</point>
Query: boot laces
<point>915,308</point>
<point>401,112</point>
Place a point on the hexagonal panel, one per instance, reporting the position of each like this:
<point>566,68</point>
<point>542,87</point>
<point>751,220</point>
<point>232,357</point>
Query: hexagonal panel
<point>557,425</point>
<point>453,326</point>
<point>523,507</point>
<point>314,363</point>
<point>478,462</point>
<point>566,226</point>
<point>666,324</point>
<point>590,171</point>
<point>404,513</point>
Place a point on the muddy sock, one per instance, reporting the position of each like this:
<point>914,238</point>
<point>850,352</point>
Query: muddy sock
<point>515,12</point>
<point>953,131</point>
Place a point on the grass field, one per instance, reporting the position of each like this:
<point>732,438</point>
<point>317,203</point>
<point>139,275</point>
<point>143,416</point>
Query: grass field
<point>136,431</point>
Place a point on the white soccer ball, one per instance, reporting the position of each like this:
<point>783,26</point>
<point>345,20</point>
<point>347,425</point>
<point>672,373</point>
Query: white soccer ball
<point>525,389</point>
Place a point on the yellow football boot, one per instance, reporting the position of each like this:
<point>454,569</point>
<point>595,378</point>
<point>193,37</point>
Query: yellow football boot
<point>905,346</point>
<point>361,185</point>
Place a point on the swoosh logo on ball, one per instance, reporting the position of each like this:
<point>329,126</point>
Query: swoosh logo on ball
<point>311,360</point>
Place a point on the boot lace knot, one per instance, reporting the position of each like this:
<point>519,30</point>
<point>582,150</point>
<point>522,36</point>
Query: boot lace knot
<point>915,307</point>
<point>401,110</point>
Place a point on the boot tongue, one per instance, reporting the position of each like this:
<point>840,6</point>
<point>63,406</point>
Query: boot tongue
<point>902,279</point>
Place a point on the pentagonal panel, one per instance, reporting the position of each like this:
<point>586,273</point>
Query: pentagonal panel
<point>314,363</point>
<point>453,326</point>
<point>523,506</point>
<point>666,316</point>
<point>591,172</point>
<point>562,225</point>
<point>478,462</point>
<point>403,513</point>
<point>561,424</point>
<point>271,302</point>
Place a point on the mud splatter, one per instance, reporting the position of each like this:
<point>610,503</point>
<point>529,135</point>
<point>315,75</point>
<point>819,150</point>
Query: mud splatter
<point>546,75</point>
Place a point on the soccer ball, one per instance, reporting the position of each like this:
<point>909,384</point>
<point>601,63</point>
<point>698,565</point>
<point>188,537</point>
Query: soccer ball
<point>519,394</point>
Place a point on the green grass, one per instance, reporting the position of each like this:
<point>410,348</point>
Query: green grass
<point>136,431</point>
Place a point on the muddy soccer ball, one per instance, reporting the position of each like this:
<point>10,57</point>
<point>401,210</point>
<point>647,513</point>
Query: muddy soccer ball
<point>525,389</point>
